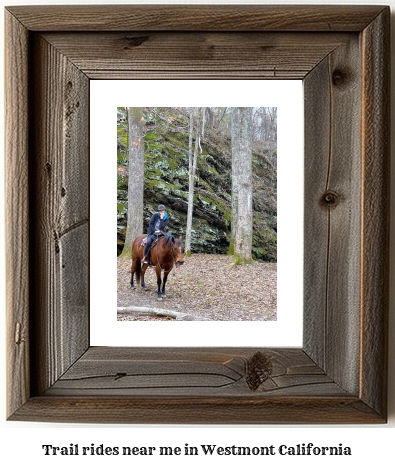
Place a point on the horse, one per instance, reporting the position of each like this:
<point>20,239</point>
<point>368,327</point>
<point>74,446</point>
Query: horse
<point>167,252</point>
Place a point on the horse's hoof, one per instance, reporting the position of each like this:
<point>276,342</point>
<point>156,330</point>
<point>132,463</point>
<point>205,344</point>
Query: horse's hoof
<point>163,295</point>
<point>132,287</point>
<point>160,299</point>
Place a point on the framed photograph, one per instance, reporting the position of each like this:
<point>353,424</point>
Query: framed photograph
<point>207,287</point>
<point>339,374</point>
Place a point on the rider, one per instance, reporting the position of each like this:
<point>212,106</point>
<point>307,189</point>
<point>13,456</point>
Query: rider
<point>156,226</point>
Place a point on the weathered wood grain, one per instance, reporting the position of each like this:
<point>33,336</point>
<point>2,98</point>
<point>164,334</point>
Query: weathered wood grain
<point>317,115</point>
<point>375,211</point>
<point>196,17</point>
<point>191,372</point>
<point>60,202</point>
<point>148,55</point>
<point>332,208</point>
<point>198,410</point>
<point>17,192</point>
<point>339,376</point>
<point>190,385</point>
<point>344,179</point>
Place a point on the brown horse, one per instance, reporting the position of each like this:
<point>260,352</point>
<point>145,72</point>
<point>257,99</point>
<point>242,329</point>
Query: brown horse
<point>164,255</point>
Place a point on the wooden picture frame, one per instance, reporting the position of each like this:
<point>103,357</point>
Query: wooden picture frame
<point>340,374</point>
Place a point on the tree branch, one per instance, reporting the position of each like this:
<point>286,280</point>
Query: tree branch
<point>159,312</point>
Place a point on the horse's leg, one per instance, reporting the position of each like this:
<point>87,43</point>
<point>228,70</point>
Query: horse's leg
<point>134,269</point>
<point>164,285</point>
<point>132,276</point>
<point>159,281</point>
<point>143,269</point>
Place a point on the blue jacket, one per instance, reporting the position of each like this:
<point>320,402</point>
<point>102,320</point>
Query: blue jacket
<point>154,219</point>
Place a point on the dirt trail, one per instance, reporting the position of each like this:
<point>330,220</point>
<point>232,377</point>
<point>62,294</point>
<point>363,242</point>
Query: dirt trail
<point>205,286</point>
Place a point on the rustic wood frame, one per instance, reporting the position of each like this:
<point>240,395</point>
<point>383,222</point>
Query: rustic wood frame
<point>340,374</point>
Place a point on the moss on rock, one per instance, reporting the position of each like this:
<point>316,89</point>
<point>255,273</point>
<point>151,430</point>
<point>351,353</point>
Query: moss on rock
<point>166,182</point>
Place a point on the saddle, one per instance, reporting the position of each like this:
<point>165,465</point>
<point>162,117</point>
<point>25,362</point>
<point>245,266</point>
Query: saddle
<point>153,244</point>
<point>154,241</point>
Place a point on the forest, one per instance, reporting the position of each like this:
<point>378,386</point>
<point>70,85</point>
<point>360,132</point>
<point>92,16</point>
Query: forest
<point>215,170</point>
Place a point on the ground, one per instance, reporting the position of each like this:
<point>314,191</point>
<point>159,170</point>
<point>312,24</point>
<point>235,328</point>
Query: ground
<point>206,287</point>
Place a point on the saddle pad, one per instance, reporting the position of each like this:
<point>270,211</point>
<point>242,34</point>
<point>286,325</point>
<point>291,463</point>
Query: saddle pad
<point>144,242</point>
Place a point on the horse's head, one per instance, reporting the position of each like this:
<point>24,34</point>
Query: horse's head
<point>178,251</point>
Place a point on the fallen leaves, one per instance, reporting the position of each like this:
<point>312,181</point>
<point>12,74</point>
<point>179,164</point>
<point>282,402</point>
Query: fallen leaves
<point>206,286</point>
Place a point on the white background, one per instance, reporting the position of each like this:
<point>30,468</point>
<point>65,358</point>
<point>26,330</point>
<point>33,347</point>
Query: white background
<point>20,443</point>
<point>106,95</point>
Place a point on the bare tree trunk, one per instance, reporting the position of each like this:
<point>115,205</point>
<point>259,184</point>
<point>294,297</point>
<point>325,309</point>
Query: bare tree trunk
<point>192,172</point>
<point>220,120</point>
<point>204,121</point>
<point>242,185</point>
<point>210,113</point>
<point>235,118</point>
<point>135,179</point>
<point>190,150</point>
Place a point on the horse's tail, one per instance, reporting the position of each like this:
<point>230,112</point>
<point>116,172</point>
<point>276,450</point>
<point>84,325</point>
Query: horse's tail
<point>138,272</point>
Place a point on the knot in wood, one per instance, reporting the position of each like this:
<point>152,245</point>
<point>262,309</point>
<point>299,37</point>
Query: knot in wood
<point>259,369</point>
<point>330,199</point>
<point>120,375</point>
<point>18,335</point>
<point>135,41</point>
<point>340,77</point>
